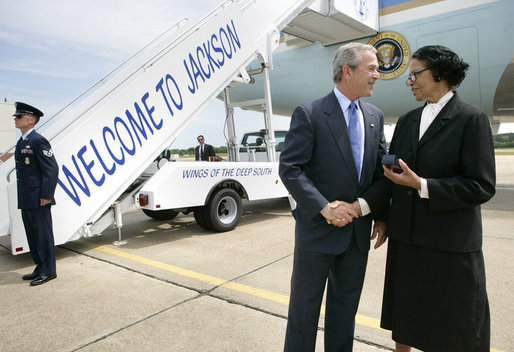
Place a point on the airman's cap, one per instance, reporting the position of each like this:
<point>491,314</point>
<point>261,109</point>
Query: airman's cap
<point>24,109</point>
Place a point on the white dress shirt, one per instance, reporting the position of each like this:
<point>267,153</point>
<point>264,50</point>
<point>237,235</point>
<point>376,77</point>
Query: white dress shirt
<point>344,102</point>
<point>428,116</point>
<point>26,134</point>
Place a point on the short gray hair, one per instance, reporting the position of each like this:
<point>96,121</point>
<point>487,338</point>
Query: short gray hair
<point>348,54</point>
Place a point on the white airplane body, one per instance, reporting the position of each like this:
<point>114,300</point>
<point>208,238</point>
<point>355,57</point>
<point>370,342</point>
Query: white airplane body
<point>480,31</point>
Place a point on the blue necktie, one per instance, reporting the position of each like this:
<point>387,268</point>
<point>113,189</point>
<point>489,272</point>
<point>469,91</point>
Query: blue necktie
<point>355,136</point>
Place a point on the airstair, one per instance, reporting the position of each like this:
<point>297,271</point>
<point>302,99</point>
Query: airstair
<point>104,141</point>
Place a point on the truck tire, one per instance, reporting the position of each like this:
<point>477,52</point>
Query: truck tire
<point>200,217</point>
<point>166,214</point>
<point>223,211</point>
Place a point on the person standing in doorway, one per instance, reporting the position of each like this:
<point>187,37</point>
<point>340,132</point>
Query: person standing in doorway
<point>203,150</point>
<point>37,172</point>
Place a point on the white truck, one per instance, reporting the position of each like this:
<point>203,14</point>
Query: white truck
<point>213,190</point>
<point>254,145</point>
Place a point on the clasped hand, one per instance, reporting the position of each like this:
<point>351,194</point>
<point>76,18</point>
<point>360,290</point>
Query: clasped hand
<point>339,213</point>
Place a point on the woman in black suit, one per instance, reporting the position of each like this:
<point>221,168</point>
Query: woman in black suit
<point>435,296</point>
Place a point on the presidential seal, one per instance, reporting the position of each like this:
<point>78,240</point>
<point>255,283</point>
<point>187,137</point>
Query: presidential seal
<point>393,53</point>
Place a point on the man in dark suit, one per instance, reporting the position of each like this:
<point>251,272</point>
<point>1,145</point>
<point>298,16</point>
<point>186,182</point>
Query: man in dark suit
<point>203,151</point>
<point>332,152</point>
<point>37,172</point>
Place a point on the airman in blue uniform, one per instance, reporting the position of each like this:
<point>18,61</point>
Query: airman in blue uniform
<point>37,172</point>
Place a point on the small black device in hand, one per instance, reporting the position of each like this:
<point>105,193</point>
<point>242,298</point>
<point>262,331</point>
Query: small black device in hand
<point>392,162</point>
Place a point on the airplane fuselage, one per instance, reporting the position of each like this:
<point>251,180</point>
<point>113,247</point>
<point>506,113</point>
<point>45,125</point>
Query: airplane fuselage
<point>480,31</point>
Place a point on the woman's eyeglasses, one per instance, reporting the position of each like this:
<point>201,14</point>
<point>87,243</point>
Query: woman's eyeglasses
<point>412,77</point>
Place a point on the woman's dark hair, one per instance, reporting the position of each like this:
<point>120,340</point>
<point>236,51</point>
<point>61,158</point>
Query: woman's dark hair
<point>445,64</point>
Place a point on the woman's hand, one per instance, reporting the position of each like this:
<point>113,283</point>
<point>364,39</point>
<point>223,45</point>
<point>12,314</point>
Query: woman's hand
<point>406,178</point>
<point>379,232</point>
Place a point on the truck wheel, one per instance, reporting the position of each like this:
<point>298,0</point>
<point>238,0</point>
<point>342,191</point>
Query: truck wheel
<point>223,211</point>
<point>166,214</point>
<point>200,214</point>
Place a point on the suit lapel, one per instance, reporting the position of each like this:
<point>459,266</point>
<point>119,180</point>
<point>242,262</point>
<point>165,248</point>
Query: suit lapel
<point>370,124</point>
<point>337,126</point>
<point>29,137</point>
<point>440,121</point>
<point>17,150</point>
<point>18,144</point>
<point>415,128</point>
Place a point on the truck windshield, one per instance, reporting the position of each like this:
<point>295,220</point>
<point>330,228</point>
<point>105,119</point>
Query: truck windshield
<point>256,140</point>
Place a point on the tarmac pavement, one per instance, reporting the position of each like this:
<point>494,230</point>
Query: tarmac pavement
<point>177,287</point>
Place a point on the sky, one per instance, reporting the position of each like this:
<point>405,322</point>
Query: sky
<point>53,50</point>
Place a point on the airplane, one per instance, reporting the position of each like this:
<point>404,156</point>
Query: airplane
<point>479,31</point>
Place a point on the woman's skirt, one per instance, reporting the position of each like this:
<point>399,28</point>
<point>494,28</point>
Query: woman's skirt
<point>436,301</point>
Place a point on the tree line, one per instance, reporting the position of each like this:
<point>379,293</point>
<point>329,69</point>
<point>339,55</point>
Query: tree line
<point>504,140</point>
<point>191,151</point>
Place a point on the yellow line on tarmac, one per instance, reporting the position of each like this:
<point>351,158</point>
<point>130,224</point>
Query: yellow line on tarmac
<point>249,290</point>
<point>233,286</point>
<point>155,264</point>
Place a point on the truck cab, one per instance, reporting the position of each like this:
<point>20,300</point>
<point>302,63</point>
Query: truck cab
<point>253,145</point>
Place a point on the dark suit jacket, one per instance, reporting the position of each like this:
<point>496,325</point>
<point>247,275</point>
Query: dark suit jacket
<point>36,171</point>
<point>456,156</point>
<point>317,167</point>
<point>208,151</point>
